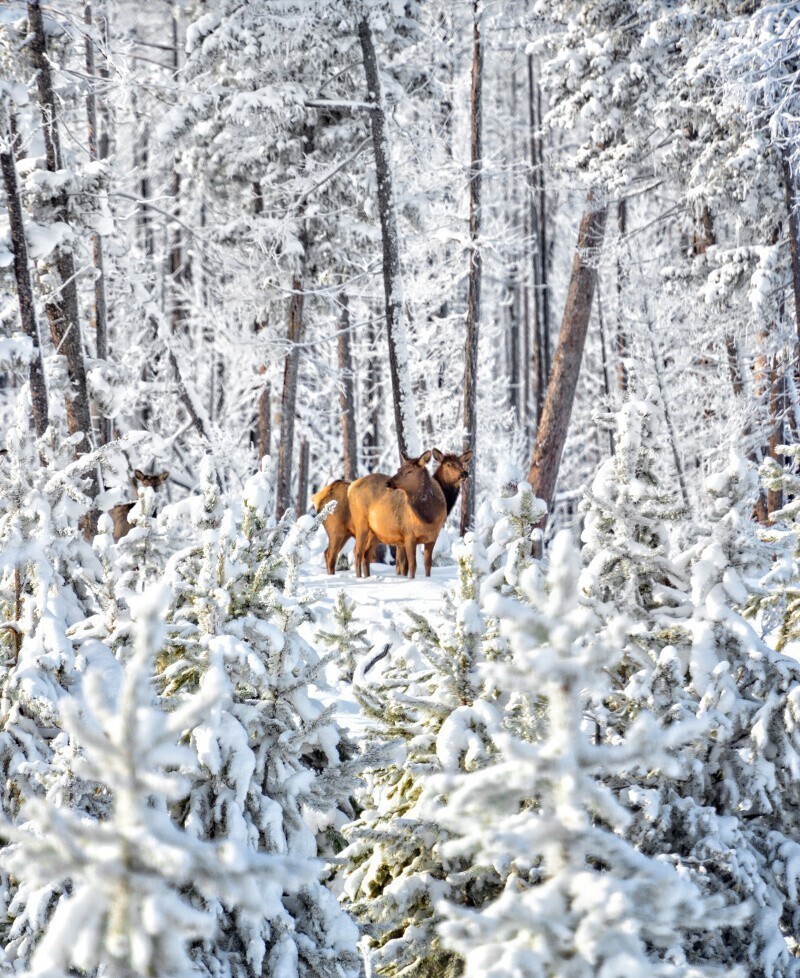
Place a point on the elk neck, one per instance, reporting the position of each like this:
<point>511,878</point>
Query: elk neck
<point>450,492</point>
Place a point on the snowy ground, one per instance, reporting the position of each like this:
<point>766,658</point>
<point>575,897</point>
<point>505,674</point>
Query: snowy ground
<point>380,601</point>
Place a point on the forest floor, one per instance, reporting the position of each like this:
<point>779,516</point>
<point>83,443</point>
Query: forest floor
<point>380,602</point>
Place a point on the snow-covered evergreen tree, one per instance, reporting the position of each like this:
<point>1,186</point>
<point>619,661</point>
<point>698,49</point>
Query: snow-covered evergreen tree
<point>346,641</point>
<point>579,899</point>
<point>272,775</point>
<point>431,712</point>
<point>126,911</point>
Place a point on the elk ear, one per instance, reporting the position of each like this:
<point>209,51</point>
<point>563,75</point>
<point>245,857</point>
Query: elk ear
<point>424,459</point>
<point>404,459</point>
<point>466,457</point>
<point>437,455</point>
<point>162,477</point>
<point>138,474</point>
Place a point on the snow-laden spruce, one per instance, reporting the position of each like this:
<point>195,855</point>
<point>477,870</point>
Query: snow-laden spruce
<point>271,773</point>
<point>125,910</point>
<point>431,712</point>
<point>579,900</point>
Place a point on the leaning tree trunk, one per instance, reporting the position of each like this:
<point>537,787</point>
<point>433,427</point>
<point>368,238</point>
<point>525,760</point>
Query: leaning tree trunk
<point>404,413</point>
<point>475,267</point>
<point>61,305</point>
<point>289,399</point>
<point>347,400</point>
<point>552,433</point>
<point>27,310</point>
<point>100,307</point>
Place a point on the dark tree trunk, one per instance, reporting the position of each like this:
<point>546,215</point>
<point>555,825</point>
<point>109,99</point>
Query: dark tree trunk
<point>622,279</point>
<point>289,399</point>
<point>27,309</point>
<point>404,413</point>
<point>475,267</point>
<point>177,267</point>
<point>61,305</point>
<point>302,479</point>
<point>552,433</point>
<point>264,421</point>
<point>100,309</point>
<point>373,396</point>
<point>792,203</point>
<point>347,399</point>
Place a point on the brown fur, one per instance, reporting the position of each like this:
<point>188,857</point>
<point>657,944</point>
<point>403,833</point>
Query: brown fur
<point>405,510</point>
<point>119,513</point>
<point>339,525</point>
<point>450,473</point>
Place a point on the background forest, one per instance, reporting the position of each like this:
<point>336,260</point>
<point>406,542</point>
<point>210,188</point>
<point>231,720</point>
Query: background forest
<point>248,247</point>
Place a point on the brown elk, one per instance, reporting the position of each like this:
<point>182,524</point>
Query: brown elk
<point>450,473</point>
<point>405,510</point>
<point>119,513</point>
<point>338,524</point>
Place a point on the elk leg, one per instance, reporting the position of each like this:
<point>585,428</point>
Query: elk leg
<point>411,555</point>
<point>400,563</point>
<point>369,551</point>
<point>429,558</point>
<point>362,537</point>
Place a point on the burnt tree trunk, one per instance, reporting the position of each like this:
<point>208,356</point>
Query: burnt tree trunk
<point>475,267</point>
<point>404,412</point>
<point>61,305</point>
<point>289,399</point>
<point>552,433</point>
<point>302,479</point>
<point>347,400</point>
<point>27,309</point>
<point>100,307</point>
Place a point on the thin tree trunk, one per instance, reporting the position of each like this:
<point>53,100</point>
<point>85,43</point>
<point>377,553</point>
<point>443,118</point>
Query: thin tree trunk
<point>792,203</point>
<point>622,279</point>
<point>100,308</point>
<point>177,270</point>
<point>347,399</point>
<point>475,267</point>
<point>373,396</point>
<point>302,479</point>
<point>289,399</point>
<point>404,412</point>
<point>552,433</point>
<point>604,357</point>
<point>61,305</point>
<point>544,304</point>
<point>264,421</point>
<point>27,309</point>
<point>539,363</point>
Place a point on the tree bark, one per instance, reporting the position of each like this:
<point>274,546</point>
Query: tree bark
<point>475,266</point>
<point>302,479</point>
<point>552,433</point>
<point>373,397</point>
<point>100,307</point>
<point>289,399</point>
<point>404,412</point>
<point>61,305</point>
<point>27,309</point>
<point>792,203</point>
<point>622,278</point>
<point>347,400</point>
<point>264,421</point>
<point>177,268</point>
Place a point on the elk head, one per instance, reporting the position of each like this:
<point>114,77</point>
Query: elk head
<point>411,474</point>
<point>452,469</point>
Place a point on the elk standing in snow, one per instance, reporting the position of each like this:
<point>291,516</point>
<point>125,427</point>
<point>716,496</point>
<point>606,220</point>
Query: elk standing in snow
<point>119,513</point>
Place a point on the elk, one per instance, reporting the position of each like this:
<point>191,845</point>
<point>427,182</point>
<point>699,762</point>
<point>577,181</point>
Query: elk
<point>405,510</point>
<point>450,473</point>
<point>119,513</point>
<point>338,524</point>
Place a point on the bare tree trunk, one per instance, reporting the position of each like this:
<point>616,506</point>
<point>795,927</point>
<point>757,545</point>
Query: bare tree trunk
<point>264,421</point>
<point>177,268</point>
<point>373,396</point>
<point>289,399</point>
<point>100,308</point>
<point>61,305</point>
<point>604,358</point>
<point>302,479</point>
<point>552,433</point>
<point>404,413</point>
<point>347,399</point>
<point>475,267</point>
<point>792,203</point>
<point>27,309</point>
<point>622,279</point>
